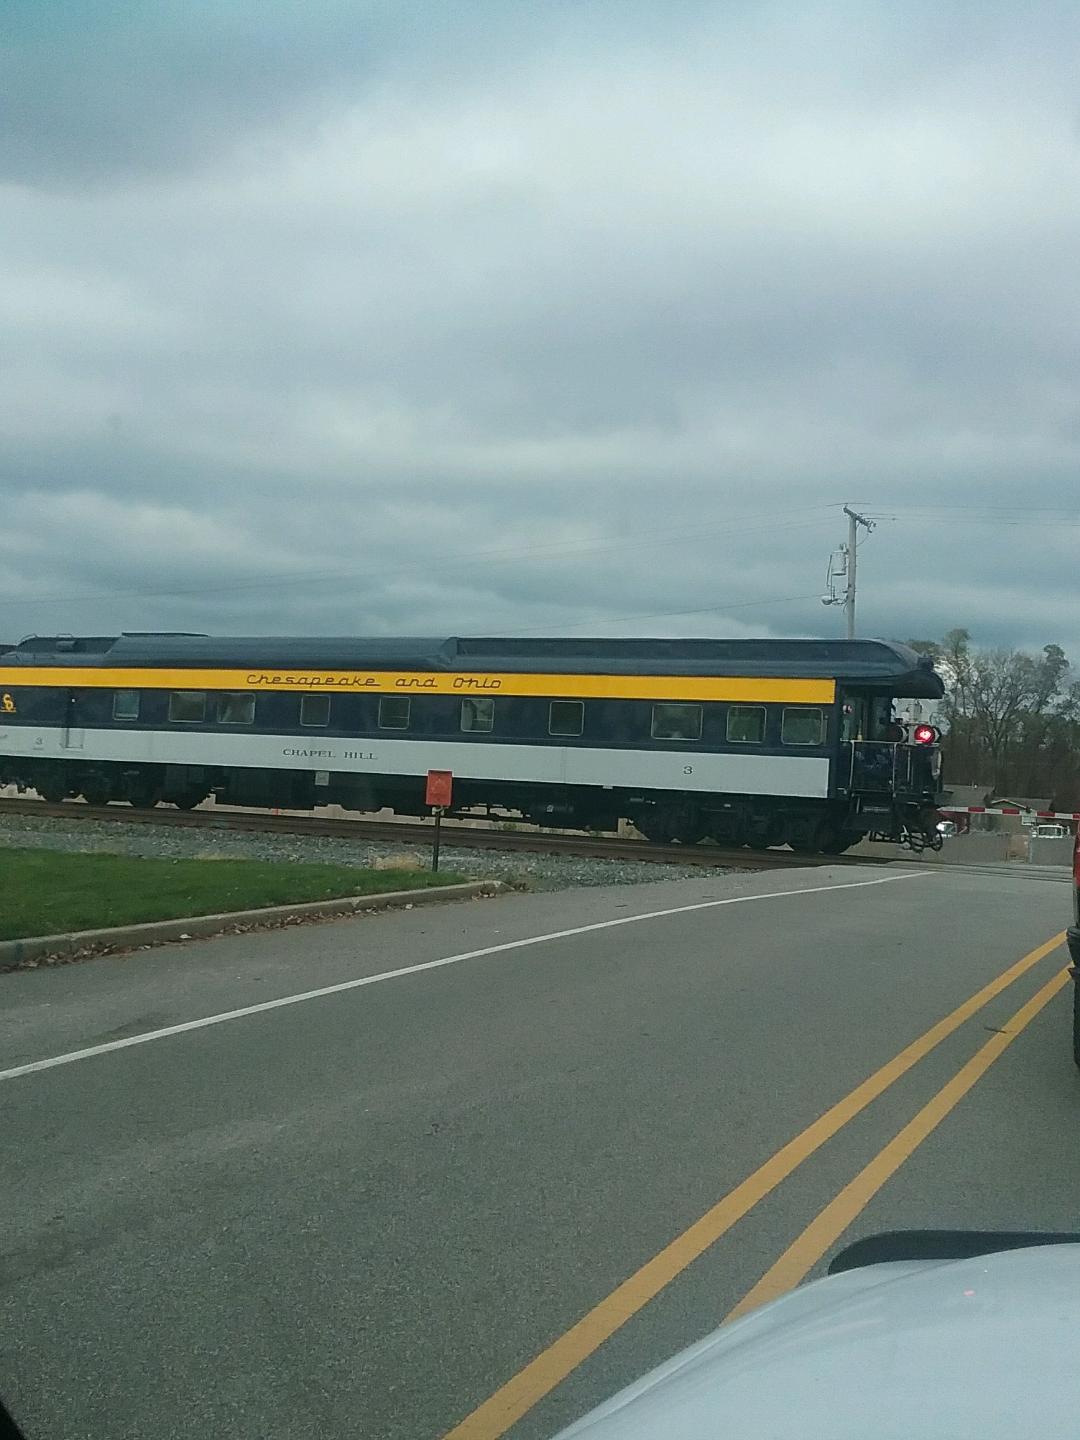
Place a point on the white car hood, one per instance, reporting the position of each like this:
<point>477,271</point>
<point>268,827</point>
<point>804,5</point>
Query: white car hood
<point>914,1350</point>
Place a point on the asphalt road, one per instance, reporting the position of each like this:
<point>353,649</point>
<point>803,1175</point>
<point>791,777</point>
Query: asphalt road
<point>363,1213</point>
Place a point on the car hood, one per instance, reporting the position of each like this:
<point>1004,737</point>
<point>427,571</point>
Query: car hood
<point>923,1350</point>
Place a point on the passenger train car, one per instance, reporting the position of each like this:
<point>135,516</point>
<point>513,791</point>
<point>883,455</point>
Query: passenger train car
<point>757,742</point>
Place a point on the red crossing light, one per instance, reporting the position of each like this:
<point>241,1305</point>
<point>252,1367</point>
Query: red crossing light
<point>926,735</point>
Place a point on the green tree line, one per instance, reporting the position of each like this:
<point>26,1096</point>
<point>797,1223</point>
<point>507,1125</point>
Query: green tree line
<point>1011,719</point>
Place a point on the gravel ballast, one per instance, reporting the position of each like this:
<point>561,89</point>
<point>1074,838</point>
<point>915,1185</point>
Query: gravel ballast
<point>518,868</point>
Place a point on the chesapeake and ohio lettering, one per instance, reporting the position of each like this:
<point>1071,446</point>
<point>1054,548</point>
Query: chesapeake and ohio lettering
<point>374,682</point>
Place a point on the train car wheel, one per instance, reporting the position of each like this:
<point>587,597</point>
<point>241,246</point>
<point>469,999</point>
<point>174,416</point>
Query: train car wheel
<point>768,831</point>
<point>188,801</point>
<point>735,833</point>
<point>650,824</point>
<point>144,794</point>
<point>802,834</point>
<point>664,824</point>
<point>688,825</point>
<point>832,839</point>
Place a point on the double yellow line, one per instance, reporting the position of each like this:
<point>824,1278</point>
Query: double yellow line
<point>548,1369</point>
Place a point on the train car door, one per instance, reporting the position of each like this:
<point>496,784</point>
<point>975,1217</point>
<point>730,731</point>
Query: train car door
<point>72,732</point>
<point>871,752</point>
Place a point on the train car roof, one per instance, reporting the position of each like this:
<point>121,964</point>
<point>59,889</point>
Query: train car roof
<point>867,664</point>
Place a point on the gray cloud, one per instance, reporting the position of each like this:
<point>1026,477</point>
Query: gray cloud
<point>510,317</point>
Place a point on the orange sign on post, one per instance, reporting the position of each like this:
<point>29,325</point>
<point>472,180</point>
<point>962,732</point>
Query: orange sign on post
<point>440,786</point>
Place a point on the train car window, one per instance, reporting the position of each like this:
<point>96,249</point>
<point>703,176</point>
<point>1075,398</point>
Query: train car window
<point>187,706</point>
<point>315,710</point>
<point>676,722</point>
<point>394,712</point>
<point>478,714</point>
<point>236,709</point>
<point>746,724</point>
<point>803,725</point>
<point>566,717</point>
<point>125,704</point>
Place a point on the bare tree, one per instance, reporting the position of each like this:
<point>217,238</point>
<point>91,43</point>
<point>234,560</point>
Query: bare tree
<point>1012,719</point>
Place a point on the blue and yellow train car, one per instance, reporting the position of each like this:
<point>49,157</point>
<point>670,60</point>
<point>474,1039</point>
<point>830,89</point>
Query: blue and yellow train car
<point>759,742</point>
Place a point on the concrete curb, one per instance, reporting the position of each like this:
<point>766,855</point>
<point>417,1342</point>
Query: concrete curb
<point>14,953</point>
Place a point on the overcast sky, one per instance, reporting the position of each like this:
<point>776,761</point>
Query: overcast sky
<point>568,316</point>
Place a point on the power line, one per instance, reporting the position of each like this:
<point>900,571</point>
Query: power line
<point>990,509</point>
<point>1021,516</point>
<point>742,526</point>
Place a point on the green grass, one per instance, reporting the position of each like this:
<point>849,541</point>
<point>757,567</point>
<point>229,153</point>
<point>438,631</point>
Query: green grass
<point>46,892</point>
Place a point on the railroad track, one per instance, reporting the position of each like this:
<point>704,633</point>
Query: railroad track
<point>453,837</point>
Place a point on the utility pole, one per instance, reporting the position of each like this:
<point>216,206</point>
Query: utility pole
<point>854,521</point>
<point>843,565</point>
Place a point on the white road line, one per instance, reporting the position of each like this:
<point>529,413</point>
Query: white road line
<point>145,1038</point>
